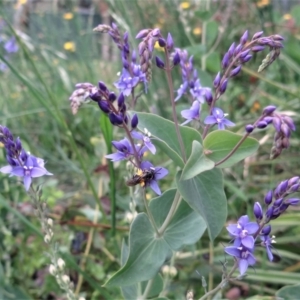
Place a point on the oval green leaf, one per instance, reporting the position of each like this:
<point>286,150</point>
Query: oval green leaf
<point>219,143</point>
<point>289,292</point>
<point>197,162</point>
<point>205,194</point>
<point>167,141</point>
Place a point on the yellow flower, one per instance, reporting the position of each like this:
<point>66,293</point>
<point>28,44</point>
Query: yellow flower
<point>70,46</point>
<point>68,16</point>
<point>197,31</point>
<point>185,5</point>
<point>262,3</point>
<point>287,17</point>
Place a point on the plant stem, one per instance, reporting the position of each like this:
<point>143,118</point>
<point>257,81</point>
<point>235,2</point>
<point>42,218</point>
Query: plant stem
<point>171,90</point>
<point>147,289</point>
<point>175,204</point>
<point>149,213</point>
<point>211,260</point>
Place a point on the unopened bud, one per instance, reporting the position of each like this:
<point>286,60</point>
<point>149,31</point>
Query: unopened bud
<point>47,238</point>
<point>65,279</point>
<point>61,264</point>
<point>50,222</point>
<point>52,270</point>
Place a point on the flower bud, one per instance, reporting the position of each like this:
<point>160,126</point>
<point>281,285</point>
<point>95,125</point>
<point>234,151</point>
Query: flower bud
<point>244,38</point>
<point>115,119</point>
<point>292,201</point>
<point>61,264</point>
<point>176,59</point>
<point>269,197</point>
<point>223,86</point>
<point>266,230</point>
<point>50,222</point>
<point>289,121</point>
<point>246,58</point>
<point>217,80</point>
<point>170,43</point>
<point>112,97</point>
<point>162,42</point>
<point>231,50</point>
<point>225,61</point>
<point>65,279</point>
<point>104,106</point>
<point>262,124</point>
<point>235,71</point>
<point>159,62</point>
<point>134,121</point>
<point>121,100</point>
<point>257,35</point>
<point>257,210</point>
<point>52,270</point>
<point>102,86</point>
<point>257,48</point>
<point>249,128</point>
<point>47,239</point>
<point>278,202</point>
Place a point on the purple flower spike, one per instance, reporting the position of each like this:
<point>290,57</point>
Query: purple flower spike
<point>244,256</point>
<point>159,62</point>
<point>244,38</point>
<point>191,114</point>
<point>249,128</point>
<point>242,232</point>
<point>159,173</point>
<point>218,117</point>
<point>257,210</point>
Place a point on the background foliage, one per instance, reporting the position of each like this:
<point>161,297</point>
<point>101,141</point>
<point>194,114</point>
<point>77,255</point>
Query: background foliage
<point>58,50</point>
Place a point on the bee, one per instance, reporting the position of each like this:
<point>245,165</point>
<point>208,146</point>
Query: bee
<point>142,177</point>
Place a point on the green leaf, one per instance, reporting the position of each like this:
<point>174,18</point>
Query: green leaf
<point>212,29</point>
<point>203,15</point>
<point>164,130</point>
<point>213,62</point>
<point>197,162</point>
<point>205,194</point>
<point>289,292</point>
<point>219,143</point>
<point>147,251</point>
<point>186,226</point>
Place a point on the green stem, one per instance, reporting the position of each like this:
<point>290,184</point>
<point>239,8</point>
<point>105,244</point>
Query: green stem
<point>147,290</point>
<point>175,204</point>
<point>171,90</point>
<point>149,213</point>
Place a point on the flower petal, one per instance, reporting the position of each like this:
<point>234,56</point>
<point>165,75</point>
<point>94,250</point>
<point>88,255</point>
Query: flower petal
<point>210,120</point>
<point>6,169</point>
<point>154,186</point>
<point>251,227</point>
<point>160,173</point>
<point>18,171</point>
<point>146,165</point>
<point>243,266</point>
<point>116,156</point>
<point>233,251</point>
<point>27,182</point>
<point>248,242</point>
<point>37,172</point>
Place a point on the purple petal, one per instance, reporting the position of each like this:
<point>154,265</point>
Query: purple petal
<point>137,135</point>
<point>251,227</point>
<point>227,123</point>
<point>146,165</point>
<point>248,242</point>
<point>218,113</point>
<point>116,156</point>
<point>251,259</point>
<point>37,172</point>
<point>243,220</point>
<point>18,171</point>
<point>243,266</point>
<point>149,145</point>
<point>233,229</point>
<point>233,251</point>
<point>27,182</point>
<point>160,173</point>
<point>221,126</point>
<point>210,120</point>
<point>237,242</point>
<point>6,169</point>
<point>154,186</point>
<point>270,254</point>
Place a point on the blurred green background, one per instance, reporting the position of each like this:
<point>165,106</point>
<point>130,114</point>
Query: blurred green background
<point>57,49</point>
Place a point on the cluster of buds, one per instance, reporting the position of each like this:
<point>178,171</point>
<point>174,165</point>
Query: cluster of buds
<point>237,55</point>
<point>245,232</point>
<point>283,125</point>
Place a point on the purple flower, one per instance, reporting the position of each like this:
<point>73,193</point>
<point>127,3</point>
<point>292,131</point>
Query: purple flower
<point>191,114</point>
<point>146,139</point>
<point>159,173</point>
<point>242,232</point>
<point>11,45</point>
<point>198,92</point>
<point>267,241</point>
<point>124,148</point>
<point>32,168</point>
<point>126,83</point>
<point>244,256</point>
<point>218,117</point>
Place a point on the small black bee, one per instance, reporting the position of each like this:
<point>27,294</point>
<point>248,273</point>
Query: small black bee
<point>142,177</point>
